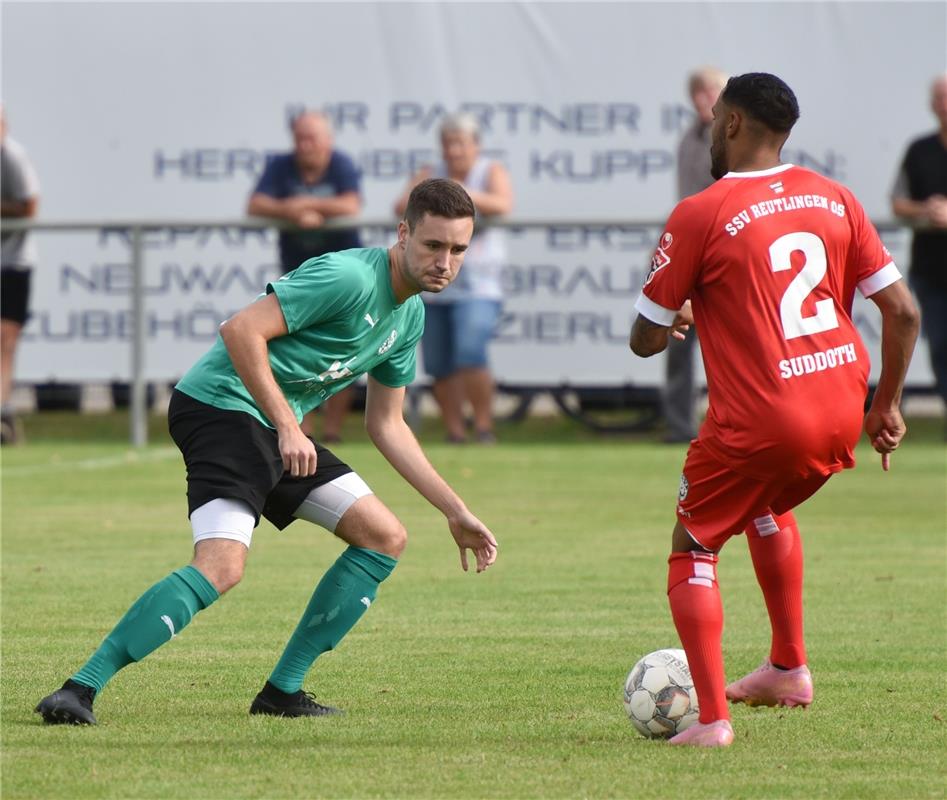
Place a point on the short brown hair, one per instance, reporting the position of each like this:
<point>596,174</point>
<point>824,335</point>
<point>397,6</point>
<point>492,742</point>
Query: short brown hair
<point>439,197</point>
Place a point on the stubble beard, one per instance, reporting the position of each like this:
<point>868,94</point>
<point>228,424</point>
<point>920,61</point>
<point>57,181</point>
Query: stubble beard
<point>437,287</point>
<point>718,164</point>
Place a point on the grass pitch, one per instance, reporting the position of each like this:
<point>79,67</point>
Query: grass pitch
<point>502,685</point>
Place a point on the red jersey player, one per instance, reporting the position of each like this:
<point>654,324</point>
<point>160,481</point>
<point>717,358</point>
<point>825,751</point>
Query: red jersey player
<point>765,263</point>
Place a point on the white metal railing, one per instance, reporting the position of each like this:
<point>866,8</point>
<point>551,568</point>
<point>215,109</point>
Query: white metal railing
<point>137,227</point>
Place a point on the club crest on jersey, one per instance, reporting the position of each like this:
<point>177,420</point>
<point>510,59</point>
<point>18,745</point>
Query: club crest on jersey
<point>777,187</point>
<point>683,490</point>
<point>660,259</point>
<point>387,344</point>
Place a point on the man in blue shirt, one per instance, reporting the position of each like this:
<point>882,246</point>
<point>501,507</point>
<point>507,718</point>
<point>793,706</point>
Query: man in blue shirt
<point>313,183</point>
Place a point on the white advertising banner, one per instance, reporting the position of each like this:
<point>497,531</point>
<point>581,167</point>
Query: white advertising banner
<point>138,111</point>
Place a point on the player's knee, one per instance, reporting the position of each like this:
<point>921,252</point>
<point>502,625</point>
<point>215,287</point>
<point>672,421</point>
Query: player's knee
<point>391,539</point>
<point>222,530</point>
<point>227,577</point>
<point>693,567</point>
<point>385,534</point>
<point>223,573</point>
<point>368,523</point>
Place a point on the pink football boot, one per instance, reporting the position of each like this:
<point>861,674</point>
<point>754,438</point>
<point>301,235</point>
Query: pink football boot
<point>712,734</point>
<point>768,686</point>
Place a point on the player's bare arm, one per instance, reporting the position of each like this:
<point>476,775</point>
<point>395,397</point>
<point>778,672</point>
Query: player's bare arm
<point>900,322</point>
<point>246,335</point>
<point>648,338</point>
<point>384,421</point>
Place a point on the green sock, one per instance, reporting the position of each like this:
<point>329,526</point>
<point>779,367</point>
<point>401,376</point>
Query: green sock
<point>157,616</point>
<point>342,596</point>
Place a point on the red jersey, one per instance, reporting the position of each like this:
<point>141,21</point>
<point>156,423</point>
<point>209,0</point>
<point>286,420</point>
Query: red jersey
<point>770,261</point>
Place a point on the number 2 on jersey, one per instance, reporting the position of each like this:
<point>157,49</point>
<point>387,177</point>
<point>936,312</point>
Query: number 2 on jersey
<point>812,273</point>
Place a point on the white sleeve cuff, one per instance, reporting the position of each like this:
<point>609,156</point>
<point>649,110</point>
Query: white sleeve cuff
<point>659,315</point>
<point>877,281</point>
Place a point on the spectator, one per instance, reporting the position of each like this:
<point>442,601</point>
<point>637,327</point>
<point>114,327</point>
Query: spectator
<point>462,319</point>
<point>20,198</point>
<point>920,195</point>
<point>313,183</point>
<point>679,399</point>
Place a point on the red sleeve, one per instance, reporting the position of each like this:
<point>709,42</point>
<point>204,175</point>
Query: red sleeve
<point>676,263</point>
<point>871,262</point>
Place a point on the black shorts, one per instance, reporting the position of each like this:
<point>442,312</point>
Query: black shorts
<point>15,294</point>
<point>230,454</point>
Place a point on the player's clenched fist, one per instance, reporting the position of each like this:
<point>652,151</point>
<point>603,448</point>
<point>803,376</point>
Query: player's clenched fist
<point>298,452</point>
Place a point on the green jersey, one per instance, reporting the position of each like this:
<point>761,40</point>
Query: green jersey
<point>343,321</point>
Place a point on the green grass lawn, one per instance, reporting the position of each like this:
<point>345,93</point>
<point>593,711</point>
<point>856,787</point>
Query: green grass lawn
<point>506,684</point>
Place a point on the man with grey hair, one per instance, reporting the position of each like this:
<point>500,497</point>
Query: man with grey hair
<point>313,183</point>
<point>679,399</point>
<point>920,196</point>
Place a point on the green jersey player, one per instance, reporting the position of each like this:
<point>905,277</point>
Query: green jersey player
<point>236,418</point>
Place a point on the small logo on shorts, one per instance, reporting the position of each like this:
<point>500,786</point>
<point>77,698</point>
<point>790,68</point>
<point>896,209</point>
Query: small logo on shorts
<point>682,491</point>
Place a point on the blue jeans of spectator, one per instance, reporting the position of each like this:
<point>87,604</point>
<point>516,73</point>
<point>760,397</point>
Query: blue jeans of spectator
<point>932,298</point>
<point>456,335</point>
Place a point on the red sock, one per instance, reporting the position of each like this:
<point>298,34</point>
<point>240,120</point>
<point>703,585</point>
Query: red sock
<point>776,550</point>
<point>698,617</point>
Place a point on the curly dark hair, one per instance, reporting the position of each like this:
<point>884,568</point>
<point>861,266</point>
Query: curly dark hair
<point>765,98</point>
<point>438,197</point>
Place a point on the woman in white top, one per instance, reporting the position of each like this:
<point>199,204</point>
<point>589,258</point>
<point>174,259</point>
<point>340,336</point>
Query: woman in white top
<point>461,320</point>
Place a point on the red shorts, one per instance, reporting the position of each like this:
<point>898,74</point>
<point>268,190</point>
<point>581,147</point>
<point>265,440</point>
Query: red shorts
<point>715,503</point>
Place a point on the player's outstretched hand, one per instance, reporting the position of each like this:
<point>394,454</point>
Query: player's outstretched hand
<point>298,452</point>
<point>885,429</point>
<point>682,321</point>
<point>471,534</point>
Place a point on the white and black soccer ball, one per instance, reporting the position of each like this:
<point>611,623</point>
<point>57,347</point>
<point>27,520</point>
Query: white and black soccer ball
<point>659,695</point>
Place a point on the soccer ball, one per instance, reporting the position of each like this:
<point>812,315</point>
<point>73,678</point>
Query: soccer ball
<point>659,696</point>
